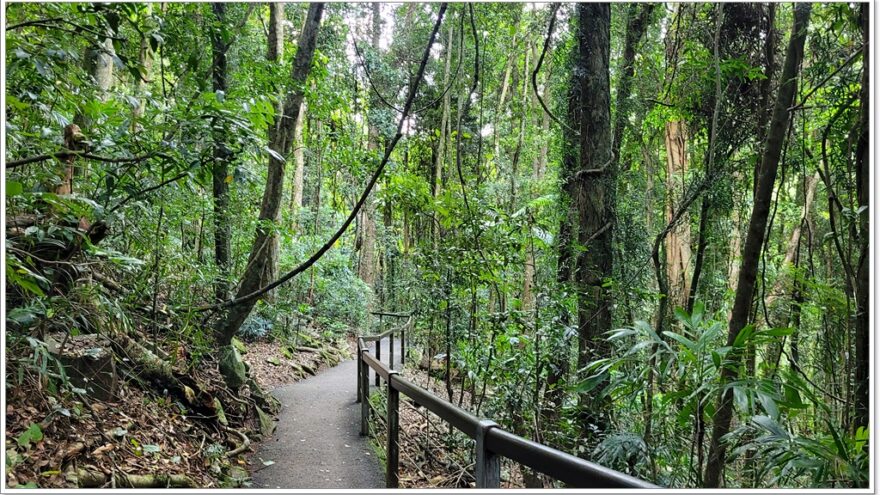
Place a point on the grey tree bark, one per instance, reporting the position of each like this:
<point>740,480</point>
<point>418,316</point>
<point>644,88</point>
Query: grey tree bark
<point>751,253</point>
<point>272,195</point>
<point>863,173</point>
<point>589,154</point>
<point>221,156</point>
<point>274,52</point>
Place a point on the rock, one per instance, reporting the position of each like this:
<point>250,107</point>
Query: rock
<point>262,398</point>
<point>237,476</point>
<point>437,365</point>
<point>221,416</point>
<point>239,346</point>
<point>232,367</point>
<point>88,363</point>
<point>274,361</point>
<point>267,424</point>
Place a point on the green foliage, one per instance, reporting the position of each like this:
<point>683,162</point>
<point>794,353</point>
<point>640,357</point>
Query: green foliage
<point>30,436</point>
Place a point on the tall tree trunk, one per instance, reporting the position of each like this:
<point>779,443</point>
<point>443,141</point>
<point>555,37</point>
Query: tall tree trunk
<point>440,156</point>
<point>98,63</point>
<point>638,16</point>
<point>863,164</point>
<point>790,263</point>
<point>145,59</point>
<point>755,240</point>
<point>678,240</point>
<point>593,190</point>
<point>272,195</point>
<point>274,52</point>
<point>299,161</point>
<point>769,70</point>
<point>221,155</point>
<point>705,207</point>
<point>368,264</point>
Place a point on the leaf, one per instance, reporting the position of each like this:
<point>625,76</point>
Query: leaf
<point>682,316</point>
<point>743,336</point>
<point>769,405</point>
<point>771,426</point>
<point>686,342</point>
<point>151,449</point>
<point>276,155</point>
<point>119,432</point>
<point>778,332</point>
<point>13,188</point>
<point>32,435</point>
<point>589,384</point>
<point>228,179</point>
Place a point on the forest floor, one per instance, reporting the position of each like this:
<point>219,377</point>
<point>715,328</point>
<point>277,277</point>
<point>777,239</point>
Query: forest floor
<point>56,439</point>
<point>431,457</point>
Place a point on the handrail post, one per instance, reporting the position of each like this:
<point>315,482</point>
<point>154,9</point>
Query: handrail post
<point>359,371</point>
<point>378,357</point>
<point>488,468</point>
<point>365,393</point>
<point>391,350</point>
<point>392,458</point>
<point>402,346</point>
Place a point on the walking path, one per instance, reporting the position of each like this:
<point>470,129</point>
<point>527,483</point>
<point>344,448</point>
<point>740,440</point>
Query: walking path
<point>317,442</point>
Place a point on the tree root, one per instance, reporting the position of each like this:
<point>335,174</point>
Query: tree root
<point>95,479</point>
<point>245,442</point>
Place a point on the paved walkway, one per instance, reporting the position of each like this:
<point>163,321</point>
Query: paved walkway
<point>316,443</point>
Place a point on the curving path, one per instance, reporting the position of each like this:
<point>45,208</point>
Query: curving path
<point>316,443</point>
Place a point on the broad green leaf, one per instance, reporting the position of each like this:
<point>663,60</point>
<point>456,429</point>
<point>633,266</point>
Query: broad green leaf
<point>32,435</point>
<point>13,188</point>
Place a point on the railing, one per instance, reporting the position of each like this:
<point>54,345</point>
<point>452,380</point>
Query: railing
<point>492,442</point>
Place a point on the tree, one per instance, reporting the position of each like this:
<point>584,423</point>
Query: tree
<point>221,156</point>
<point>863,326</point>
<point>755,239</point>
<point>589,156</point>
<point>272,195</point>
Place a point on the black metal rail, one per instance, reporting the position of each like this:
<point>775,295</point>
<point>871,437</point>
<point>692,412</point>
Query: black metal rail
<point>491,442</point>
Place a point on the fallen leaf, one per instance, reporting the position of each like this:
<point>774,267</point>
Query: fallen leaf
<point>104,448</point>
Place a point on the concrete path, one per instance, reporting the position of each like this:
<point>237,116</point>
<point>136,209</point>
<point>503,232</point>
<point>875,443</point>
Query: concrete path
<point>316,443</point>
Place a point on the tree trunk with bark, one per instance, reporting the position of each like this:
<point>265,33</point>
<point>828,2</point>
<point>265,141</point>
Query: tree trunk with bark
<point>272,195</point>
<point>440,156</point>
<point>754,241</point>
<point>863,173</point>
<point>678,240</point>
<point>274,52</point>
<point>637,23</point>
<point>368,262</point>
<point>589,154</point>
<point>221,155</point>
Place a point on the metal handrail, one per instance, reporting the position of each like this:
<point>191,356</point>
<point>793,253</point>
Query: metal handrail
<point>492,442</point>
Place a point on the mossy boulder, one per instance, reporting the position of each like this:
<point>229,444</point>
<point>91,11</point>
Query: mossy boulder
<point>232,367</point>
<point>267,424</point>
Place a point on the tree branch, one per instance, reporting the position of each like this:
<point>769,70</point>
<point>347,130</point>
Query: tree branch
<point>66,153</point>
<point>388,150</point>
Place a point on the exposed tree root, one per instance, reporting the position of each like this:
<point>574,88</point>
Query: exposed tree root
<point>95,479</point>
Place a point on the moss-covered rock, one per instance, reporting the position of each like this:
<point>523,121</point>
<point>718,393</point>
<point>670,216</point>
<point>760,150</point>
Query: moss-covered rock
<point>267,424</point>
<point>232,367</point>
